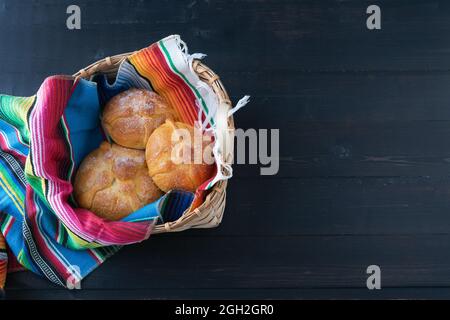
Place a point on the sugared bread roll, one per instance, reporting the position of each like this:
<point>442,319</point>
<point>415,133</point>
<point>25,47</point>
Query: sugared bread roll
<point>168,174</point>
<point>131,116</point>
<point>113,181</point>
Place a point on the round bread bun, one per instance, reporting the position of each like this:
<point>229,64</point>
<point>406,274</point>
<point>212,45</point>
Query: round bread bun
<point>131,116</point>
<point>112,181</point>
<point>168,174</point>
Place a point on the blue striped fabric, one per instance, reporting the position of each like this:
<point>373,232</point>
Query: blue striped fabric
<point>127,78</point>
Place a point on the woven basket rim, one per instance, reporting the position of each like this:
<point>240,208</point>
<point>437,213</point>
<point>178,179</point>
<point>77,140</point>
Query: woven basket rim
<point>209,213</point>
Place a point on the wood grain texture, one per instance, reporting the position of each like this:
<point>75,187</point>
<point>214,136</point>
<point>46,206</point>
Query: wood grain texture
<point>364,119</point>
<point>328,262</point>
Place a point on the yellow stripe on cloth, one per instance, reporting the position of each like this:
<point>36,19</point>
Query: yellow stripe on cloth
<point>18,202</point>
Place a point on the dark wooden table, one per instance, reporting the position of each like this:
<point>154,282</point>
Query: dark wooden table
<point>364,119</point>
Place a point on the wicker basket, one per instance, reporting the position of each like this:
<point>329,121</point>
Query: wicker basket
<point>210,213</point>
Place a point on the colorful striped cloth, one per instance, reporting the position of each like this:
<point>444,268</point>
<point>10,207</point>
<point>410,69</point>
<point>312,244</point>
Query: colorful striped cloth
<point>44,138</point>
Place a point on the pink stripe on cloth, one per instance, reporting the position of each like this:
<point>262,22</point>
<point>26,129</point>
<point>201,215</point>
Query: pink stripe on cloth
<point>51,158</point>
<point>3,262</point>
<point>6,147</point>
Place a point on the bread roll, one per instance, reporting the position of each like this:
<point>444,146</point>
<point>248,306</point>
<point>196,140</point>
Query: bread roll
<point>112,181</point>
<point>167,174</point>
<point>131,116</point>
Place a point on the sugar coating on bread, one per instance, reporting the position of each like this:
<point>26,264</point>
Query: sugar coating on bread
<point>167,174</point>
<point>131,117</point>
<point>113,181</point>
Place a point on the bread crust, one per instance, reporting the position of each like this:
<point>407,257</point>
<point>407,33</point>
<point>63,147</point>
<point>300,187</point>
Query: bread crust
<point>130,117</point>
<point>167,174</point>
<point>113,181</point>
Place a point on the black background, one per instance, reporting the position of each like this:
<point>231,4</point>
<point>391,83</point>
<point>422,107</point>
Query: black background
<point>364,119</point>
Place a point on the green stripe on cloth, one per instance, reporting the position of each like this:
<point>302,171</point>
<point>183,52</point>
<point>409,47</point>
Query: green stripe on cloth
<point>172,65</point>
<point>14,110</point>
